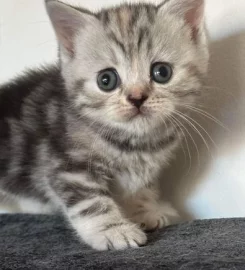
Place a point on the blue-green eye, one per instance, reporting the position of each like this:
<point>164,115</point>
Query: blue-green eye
<point>108,80</point>
<point>161,72</point>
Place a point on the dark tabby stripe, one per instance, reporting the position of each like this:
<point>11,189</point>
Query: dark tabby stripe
<point>143,33</point>
<point>74,193</point>
<point>104,17</point>
<point>113,225</point>
<point>124,143</point>
<point>151,14</point>
<point>128,146</point>
<point>110,245</point>
<point>117,42</point>
<point>79,85</point>
<point>126,240</point>
<point>134,19</point>
<point>75,167</point>
<point>95,210</point>
<point>162,4</point>
<point>149,45</point>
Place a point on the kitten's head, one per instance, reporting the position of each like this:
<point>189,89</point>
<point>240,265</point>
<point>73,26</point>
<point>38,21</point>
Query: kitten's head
<point>132,66</point>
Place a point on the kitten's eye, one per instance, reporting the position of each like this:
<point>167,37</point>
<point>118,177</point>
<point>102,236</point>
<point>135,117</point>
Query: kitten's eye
<point>108,80</point>
<point>161,72</point>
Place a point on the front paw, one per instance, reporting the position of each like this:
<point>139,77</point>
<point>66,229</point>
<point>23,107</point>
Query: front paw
<point>153,216</point>
<point>116,236</point>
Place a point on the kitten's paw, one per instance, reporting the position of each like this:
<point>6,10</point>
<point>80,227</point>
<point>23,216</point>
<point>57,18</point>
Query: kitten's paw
<point>118,236</point>
<point>153,216</point>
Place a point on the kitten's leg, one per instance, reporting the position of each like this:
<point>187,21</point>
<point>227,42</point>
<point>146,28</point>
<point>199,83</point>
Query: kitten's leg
<point>94,214</point>
<point>145,209</point>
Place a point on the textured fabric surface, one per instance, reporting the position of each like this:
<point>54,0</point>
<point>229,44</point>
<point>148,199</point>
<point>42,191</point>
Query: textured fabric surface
<point>45,242</point>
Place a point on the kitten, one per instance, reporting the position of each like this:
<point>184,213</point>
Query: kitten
<point>89,135</point>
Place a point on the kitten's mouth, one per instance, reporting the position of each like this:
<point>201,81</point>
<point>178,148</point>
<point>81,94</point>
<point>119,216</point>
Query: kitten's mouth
<point>139,113</point>
<point>134,114</point>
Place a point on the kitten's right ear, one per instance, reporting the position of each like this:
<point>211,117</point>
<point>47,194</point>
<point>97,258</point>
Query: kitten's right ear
<point>67,22</point>
<point>192,11</point>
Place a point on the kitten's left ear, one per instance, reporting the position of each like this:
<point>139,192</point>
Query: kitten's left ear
<point>191,10</point>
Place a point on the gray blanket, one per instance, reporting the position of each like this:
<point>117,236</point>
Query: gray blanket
<point>45,242</point>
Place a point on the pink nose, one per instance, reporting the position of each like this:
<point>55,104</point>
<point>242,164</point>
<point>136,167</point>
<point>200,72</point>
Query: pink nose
<point>138,100</point>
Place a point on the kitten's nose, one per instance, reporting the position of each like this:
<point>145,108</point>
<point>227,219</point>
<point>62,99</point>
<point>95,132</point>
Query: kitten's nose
<point>138,100</point>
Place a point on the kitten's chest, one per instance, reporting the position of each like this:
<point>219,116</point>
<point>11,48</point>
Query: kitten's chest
<point>137,170</point>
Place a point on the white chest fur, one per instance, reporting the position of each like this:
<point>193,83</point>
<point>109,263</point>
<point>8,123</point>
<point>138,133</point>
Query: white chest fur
<point>139,169</point>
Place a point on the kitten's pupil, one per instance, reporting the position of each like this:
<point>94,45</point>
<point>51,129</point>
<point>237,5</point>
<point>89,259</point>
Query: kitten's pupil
<point>163,72</point>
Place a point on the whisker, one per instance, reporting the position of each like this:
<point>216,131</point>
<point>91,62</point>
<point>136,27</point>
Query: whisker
<point>193,141</point>
<point>186,142</point>
<point>211,139</point>
<point>195,129</point>
<point>207,115</point>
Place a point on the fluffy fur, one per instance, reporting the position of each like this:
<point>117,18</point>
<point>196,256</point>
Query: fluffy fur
<point>68,146</point>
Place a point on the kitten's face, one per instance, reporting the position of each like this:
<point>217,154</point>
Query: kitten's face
<point>135,66</point>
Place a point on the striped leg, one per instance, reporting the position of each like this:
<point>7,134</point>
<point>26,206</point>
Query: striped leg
<point>94,215</point>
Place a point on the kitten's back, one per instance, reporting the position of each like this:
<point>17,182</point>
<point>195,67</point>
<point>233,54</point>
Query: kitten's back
<point>14,93</point>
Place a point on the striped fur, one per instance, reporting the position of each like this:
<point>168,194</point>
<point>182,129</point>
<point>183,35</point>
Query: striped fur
<point>67,146</point>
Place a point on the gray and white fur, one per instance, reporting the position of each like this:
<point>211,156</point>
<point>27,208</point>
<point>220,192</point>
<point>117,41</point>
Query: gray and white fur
<point>95,156</point>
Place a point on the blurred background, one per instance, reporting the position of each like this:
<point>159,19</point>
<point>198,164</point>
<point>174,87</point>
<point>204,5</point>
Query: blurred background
<point>206,181</point>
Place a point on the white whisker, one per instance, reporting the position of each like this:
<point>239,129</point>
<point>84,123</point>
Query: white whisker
<point>207,115</point>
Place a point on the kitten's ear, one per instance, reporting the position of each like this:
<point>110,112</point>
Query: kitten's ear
<point>67,22</point>
<point>191,10</point>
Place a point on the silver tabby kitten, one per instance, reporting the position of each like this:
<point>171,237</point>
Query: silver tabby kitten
<point>89,136</point>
